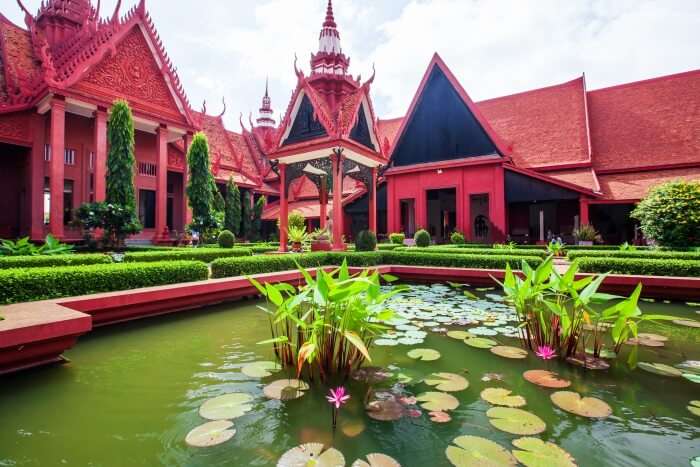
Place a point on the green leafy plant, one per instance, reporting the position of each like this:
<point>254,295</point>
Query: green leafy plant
<point>201,186</point>
<point>627,247</point>
<point>326,328</point>
<point>505,246</point>
<point>422,238</point>
<point>366,241</point>
<point>297,236</point>
<point>232,218</point>
<point>247,217</point>
<point>670,214</point>
<point>457,238</point>
<point>397,238</point>
<point>22,247</point>
<point>587,233</point>
<point>256,224</point>
<point>555,248</point>
<point>115,221</point>
<point>226,239</point>
<point>320,235</point>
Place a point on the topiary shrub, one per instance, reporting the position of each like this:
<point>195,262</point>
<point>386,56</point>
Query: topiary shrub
<point>422,238</point>
<point>457,238</point>
<point>397,238</point>
<point>226,239</point>
<point>366,241</point>
<point>670,214</point>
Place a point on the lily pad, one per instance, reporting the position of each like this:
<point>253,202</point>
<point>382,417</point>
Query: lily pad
<point>502,396</point>
<point>687,322</point>
<point>439,417</point>
<point>352,427</point>
<point>534,452</point>
<point>386,342</point>
<point>385,410</point>
<point>437,401</point>
<point>448,382</point>
<point>211,434</point>
<point>480,342</point>
<point>507,351</point>
<point>474,451</point>
<point>460,335</point>
<point>651,336</point>
<point>660,369</point>
<point>226,407</point>
<point>492,377</point>
<point>427,355</point>
<point>692,377</point>
<point>546,379</point>
<point>376,460</point>
<point>694,408</point>
<point>311,454</point>
<point>515,421</point>
<point>646,342</point>
<point>572,402</point>
<point>260,369</point>
<point>285,389</point>
<point>604,353</point>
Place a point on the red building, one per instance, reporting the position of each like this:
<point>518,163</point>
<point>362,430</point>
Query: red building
<point>514,167</point>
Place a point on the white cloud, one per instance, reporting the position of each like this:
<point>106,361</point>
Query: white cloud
<point>494,47</point>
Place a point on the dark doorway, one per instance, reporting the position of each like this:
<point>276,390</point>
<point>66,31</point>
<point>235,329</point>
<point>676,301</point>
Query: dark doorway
<point>408,217</point>
<point>13,191</point>
<point>442,213</point>
<point>613,222</point>
<point>174,209</point>
<point>147,208</point>
<point>479,218</point>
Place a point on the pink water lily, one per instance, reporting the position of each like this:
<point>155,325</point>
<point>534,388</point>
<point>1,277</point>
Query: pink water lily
<point>545,352</point>
<point>338,397</point>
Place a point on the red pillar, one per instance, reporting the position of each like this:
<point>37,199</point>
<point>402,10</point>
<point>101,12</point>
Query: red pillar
<point>36,190</point>
<point>392,207</point>
<point>187,211</point>
<point>323,199</point>
<point>373,201</point>
<point>498,206</point>
<point>161,183</point>
<point>283,207</point>
<point>58,134</point>
<point>337,164</point>
<point>583,211</point>
<point>100,145</point>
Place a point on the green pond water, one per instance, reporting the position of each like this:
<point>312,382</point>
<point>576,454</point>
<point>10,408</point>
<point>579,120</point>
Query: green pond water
<point>132,392</point>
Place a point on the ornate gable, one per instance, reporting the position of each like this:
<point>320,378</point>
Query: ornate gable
<point>133,73</point>
<point>306,125</point>
<point>361,132</point>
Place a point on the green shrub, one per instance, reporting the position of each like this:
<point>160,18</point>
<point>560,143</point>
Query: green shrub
<point>472,251</point>
<point>457,238</point>
<point>23,285</point>
<point>397,238</point>
<point>458,261</point>
<point>260,250</point>
<point>670,214</point>
<point>644,254</point>
<point>389,246</point>
<point>422,238</point>
<point>361,259</point>
<point>205,255</point>
<point>231,267</point>
<point>52,261</point>
<point>226,239</point>
<point>366,241</point>
<point>643,267</point>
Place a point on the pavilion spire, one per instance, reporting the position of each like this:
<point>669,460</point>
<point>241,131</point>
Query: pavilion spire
<point>265,119</point>
<point>330,58</point>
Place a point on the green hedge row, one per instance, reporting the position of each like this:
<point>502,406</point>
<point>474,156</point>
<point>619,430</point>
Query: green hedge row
<point>644,254</point>
<point>8,262</point>
<point>261,250</point>
<point>388,246</point>
<point>231,267</point>
<point>24,285</point>
<point>474,251</point>
<point>644,267</point>
<point>206,255</point>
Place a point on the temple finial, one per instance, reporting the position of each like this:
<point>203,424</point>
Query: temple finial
<point>330,19</point>
<point>267,82</point>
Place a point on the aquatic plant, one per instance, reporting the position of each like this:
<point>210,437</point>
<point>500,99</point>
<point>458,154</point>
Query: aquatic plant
<point>337,398</point>
<point>555,248</point>
<point>327,327</point>
<point>546,352</point>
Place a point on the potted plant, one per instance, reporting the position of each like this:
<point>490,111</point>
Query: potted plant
<point>555,248</point>
<point>586,235</point>
<point>320,240</point>
<point>297,235</point>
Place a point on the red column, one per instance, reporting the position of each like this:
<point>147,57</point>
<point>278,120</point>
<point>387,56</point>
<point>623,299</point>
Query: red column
<point>323,199</point>
<point>283,208</point>
<point>337,164</point>
<point>36,184</point>
<point>373,201</point>
<point>583,211</point>
<point>187,211</point>
<point>56,168</point>
<point>498,206</point>
<point>161,183</point>
<point>100,145</point>
<point>392,207</point>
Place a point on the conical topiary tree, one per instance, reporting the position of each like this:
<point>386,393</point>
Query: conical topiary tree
<point>232,220</point>
<point>201,186</point>
<point>257,218</point>
<point>247,214</point>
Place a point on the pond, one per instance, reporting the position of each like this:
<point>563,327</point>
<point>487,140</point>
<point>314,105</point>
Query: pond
<point>132,393</point>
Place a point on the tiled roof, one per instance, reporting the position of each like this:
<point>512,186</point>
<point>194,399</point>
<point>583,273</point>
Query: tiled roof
<point>544,126</point>
<point>635,185</point>
<point>220,147</point>
<point>21,66</point>
<point>585,178</point>
<point>388,129</point>
<point>646,123</point>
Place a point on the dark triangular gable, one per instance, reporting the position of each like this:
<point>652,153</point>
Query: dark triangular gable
<point>441,127</point>
<point>305,126</point>
<point>360,132</point>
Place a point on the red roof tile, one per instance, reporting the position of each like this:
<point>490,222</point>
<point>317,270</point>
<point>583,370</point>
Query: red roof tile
<point>636,185</point>
<point>388,129</point>
<point>646,123</point>
<point>544,126</point>
<point>585,178</point>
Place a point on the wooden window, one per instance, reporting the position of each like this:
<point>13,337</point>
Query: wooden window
<point>148,169</point>
<point>69,156</point>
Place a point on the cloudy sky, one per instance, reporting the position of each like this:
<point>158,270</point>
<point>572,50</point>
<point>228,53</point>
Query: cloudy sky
<point>495,47</point>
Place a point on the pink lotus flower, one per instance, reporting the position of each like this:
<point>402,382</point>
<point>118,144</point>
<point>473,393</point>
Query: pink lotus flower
<point>545,352</point>
<point>338,397</point>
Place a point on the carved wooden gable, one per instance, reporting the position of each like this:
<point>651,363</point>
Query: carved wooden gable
<point>134,74</point>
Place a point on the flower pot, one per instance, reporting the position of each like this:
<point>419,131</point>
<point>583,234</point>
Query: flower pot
<point>585,243</point>
<point>321,245</point>
<point>296,247</point>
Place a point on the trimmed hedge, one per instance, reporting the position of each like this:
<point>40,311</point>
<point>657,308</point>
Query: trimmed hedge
<point>389,246</point>
<point>643,267</point>
<point>261,250</point>
<point>645,254</point>
<point>474,251</point>
<point>206,255</point>
<point>231,267</point>
<point>8,262</point>
<point>24,285</point>
<point>458,261</point>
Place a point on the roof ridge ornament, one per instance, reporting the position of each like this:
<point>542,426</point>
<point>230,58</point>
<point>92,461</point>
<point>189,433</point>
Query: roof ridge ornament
<point>223,100</point>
